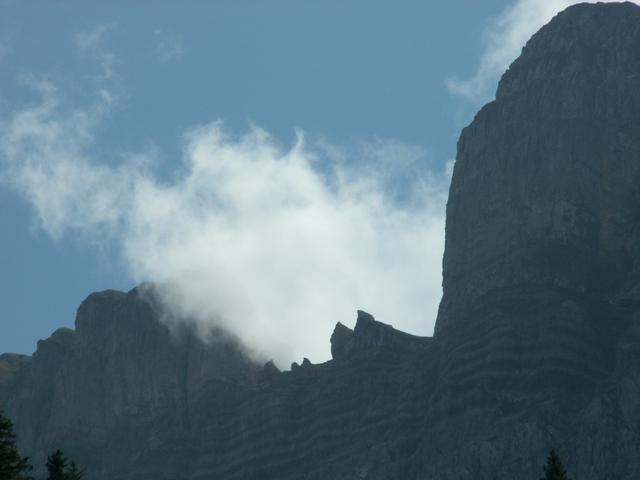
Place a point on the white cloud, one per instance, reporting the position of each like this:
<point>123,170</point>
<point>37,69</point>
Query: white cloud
<point>91,44</point>
<point>504,39</point>
<point>43,152</point>
<point>168,46</point>
<point>275,244</point>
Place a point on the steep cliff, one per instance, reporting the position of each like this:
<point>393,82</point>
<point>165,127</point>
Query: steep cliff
<point>537,342</point>
<point>118,390</point>
<point>131,399</point>
<point>541,301</point>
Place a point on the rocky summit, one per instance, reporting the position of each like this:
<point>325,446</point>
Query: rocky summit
<point>537,341</point>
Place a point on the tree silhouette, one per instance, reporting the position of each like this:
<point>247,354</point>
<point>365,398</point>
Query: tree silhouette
<point>13,466</point>
<point>56,466</point>
<point>554,470</point>
<point>59,468</point>
<point>74,472</point>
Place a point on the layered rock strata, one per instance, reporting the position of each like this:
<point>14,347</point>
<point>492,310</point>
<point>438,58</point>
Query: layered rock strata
<point>537,341</point>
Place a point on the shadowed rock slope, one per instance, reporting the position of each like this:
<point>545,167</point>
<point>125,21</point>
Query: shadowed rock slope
<point>537,342</point>
<point>118,390</point>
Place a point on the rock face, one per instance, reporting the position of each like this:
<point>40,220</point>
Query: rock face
<point>130,399</point>
<point>10,365</point>
<point>544,194</point>
<point>368,334</point>
<point>118,390</point>
<point>542,260</point>
<point>537,342</point>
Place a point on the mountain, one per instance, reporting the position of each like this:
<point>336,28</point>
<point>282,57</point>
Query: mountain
<point>119,387</point>
<point>537,341</point>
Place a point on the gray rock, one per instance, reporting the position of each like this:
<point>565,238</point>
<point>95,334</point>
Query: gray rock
<point>11,365</point>
<point>542,258</point>
<point>537,342</point>
<point>269,371</point>
<point>369,334</point>
<point>120,386</point>
<point>340,341</point>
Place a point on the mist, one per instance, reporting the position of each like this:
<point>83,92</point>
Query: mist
<point>273,243</point>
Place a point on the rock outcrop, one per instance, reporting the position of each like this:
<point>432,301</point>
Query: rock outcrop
<point>537,342</point>
<point>118,390</point>
<point>130,399</point>
<point>369,333</point>
<point>541,269</point>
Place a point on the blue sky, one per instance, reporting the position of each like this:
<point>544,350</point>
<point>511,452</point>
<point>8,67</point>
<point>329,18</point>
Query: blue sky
<point>351,108</point>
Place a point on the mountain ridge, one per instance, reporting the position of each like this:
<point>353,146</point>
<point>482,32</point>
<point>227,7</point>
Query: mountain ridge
<point>537,340</point>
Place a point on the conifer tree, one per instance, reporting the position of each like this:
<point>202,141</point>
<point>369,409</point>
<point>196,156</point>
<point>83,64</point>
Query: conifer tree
<point>13,466</point>
<point>59,468</point>
<point>554,470</point>
<point>56,466</point>
<point>74,472</point>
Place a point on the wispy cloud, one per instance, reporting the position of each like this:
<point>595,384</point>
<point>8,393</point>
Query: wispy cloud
<point>42,151</point>
<point>503,40</point>
<point>168,46</point>
<point>274,243</point>
<point>91,44</point>
<point>5,51</point>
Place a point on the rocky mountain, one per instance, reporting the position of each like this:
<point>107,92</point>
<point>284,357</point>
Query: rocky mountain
<point>537,341</point>
<point>118,389</point>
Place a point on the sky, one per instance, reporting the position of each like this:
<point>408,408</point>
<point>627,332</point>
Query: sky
<point>273,165</point>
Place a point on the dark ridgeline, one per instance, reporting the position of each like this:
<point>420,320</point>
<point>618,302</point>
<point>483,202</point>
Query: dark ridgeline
<point>537,342</point>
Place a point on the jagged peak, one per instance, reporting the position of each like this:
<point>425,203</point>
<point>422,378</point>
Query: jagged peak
<point>370,333</point>
<point>269,371</point>
<point>340,339</point>
<point>364,317</point>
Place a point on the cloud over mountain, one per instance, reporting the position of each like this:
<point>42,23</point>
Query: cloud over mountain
<point>274,243</point>
<point>503,40</point>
